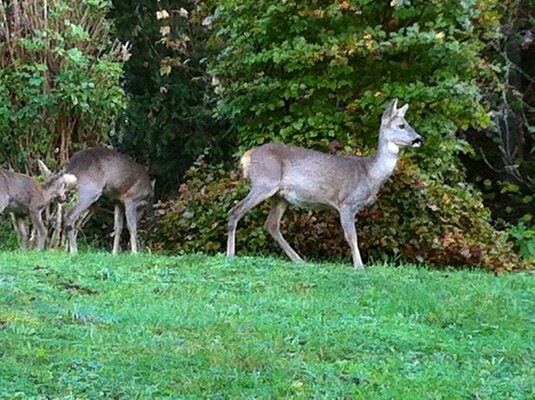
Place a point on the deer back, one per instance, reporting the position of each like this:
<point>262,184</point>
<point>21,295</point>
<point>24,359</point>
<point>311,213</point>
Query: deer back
<point>112,172</point>
<point>307,177</point>
<point>19,192</point>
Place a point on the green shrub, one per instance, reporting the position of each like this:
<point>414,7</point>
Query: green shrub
<point>311,72</point>
<point>168,121</point>
<point>524,238</point>
<point>8,237</point>
<point>59,81</point>
<point>415,218</point>
<point>308,72</point>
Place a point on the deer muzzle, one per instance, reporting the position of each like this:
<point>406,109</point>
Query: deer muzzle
<point>417,142</point>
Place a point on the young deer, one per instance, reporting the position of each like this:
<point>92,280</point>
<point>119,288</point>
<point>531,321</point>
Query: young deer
<point>307,178</point>
<point>23,197</point>
<point>99,170</point>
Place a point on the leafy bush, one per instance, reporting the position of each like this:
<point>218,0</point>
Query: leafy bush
<point>8,237</point>
<point>311,72</point>
<point>168,122</point>
<point>524,238</point>
<point>308,72</point>
<point>414,218</point>
<point>59,79</point>
<point>504,166</point>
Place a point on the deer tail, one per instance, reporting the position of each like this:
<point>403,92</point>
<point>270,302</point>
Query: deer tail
<point>70,180</point>
<point>245,161</point>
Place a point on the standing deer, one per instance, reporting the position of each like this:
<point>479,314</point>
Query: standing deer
<point>99,170</point>
<point>307,178</point>
<point>23,197</point>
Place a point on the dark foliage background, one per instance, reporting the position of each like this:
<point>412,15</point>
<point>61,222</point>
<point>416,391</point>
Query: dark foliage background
<point>168,122</point>
<point>503,165</point>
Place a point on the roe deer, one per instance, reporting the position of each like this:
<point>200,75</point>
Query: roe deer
<point>308,178</point>
<point>23,197</point>
<point>99,170</point>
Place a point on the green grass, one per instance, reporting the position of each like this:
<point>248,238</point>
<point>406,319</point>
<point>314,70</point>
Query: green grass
<point>96,326</point>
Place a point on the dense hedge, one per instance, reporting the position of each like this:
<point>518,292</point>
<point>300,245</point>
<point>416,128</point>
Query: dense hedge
<point>308,72</point>
<point>59,80</point>
<point>414,218</point>
<point>168,121</point>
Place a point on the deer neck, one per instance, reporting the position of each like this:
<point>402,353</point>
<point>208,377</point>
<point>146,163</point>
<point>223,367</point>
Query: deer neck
<point>48,192</point>
<point>384,162</point>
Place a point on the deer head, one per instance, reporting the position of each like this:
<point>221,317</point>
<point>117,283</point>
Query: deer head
<point>56,185</point>
<point>396,131</point>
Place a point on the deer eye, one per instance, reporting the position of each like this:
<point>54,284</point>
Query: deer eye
<point>401,126</point>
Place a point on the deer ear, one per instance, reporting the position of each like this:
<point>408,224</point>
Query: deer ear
<point>390,111</point>
<point>394,106</point>
<point>402,111</point>
<point>44,170</point>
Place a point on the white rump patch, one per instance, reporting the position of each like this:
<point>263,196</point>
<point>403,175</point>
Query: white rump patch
<point>69,179</point>
<point>246,163</point>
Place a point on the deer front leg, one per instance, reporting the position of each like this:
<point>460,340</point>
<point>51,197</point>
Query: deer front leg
<point>347,219</point>
<point>130,209</point>
<point>118,227</point>
<point>37,220</point>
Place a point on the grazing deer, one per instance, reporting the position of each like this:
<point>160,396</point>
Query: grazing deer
<point>23,197</point>
<point>307,178</point>
<point>99,170</point>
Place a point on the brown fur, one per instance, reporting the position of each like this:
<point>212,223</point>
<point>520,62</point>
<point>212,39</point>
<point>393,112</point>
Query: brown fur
<point>104,171</point>
<point>26,199</point>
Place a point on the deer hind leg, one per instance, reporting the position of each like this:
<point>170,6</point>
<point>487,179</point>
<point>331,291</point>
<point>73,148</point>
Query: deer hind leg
<point>21,227</point>
<point>118,223</point>
<point>39,226</point>
<point>257,195</point>
<point>347,219</point>
<point>273,227</point>
<point>130,208</point>
<point>87,196</point>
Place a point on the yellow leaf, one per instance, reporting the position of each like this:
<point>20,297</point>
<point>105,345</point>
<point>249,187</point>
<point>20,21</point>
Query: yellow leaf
<point>165,30</point>
<point>165,70</point>
<point>162,14</point>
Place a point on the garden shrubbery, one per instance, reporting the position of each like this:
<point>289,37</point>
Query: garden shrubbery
<point>59,80</point>
<point>8,238</point>
<point>232,74</point>
<point>414,218</point>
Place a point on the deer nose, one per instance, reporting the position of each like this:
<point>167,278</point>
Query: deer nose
<point>417,142</point>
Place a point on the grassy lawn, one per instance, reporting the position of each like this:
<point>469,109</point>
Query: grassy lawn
<point>195,327</point>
